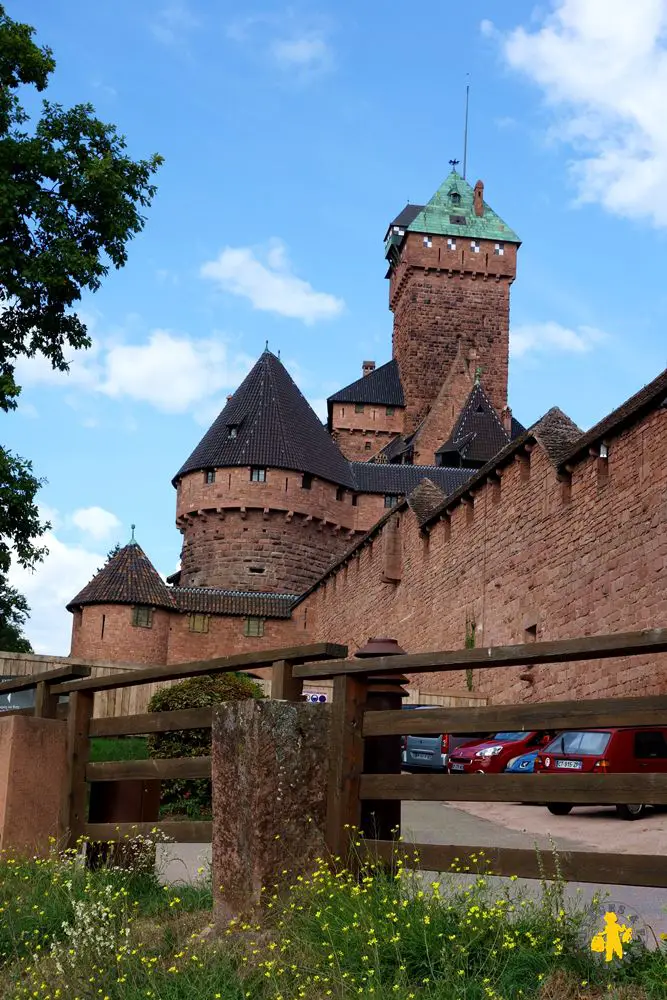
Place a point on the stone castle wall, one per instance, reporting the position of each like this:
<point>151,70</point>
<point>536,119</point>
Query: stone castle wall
<point>440,297</point>
<point>531,558</point>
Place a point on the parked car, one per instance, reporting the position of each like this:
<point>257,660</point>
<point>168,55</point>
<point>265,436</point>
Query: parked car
<point>605,751</point>
<point>430,753</point>
<point>525,764</point>
<point>493,754</point>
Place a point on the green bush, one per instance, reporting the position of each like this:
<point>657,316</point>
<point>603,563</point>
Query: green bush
<point>179,796</point>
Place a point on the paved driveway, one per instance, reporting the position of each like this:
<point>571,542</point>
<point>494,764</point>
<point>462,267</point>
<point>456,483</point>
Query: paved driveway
<point>512,825</point>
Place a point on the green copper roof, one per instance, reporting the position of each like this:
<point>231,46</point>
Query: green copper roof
<point>440,217</point>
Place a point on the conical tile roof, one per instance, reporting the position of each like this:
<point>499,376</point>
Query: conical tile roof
<point>268,422</point>
<point>128,578</point>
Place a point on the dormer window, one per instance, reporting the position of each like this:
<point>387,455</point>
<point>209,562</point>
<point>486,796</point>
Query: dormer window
<point>499,249</point>
<point>451,244</point>
<point>232,431</point>
<point>209,476</point>
<point>455,197</point>
<point>474,246</point>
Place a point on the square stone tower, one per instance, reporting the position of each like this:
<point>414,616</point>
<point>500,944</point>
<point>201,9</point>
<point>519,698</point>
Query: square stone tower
<point>451,265</point>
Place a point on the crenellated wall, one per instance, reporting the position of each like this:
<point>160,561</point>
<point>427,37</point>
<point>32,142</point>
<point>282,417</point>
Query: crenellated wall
<point>530,557</point>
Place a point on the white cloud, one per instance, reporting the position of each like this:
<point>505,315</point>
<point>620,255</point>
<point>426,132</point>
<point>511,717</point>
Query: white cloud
<point>270,286</point>
<point>173,22</point>
<point>95,521</point>
<point>602,68</point>
<point>62,574</point>
<point>307,52</point>
<point>548,337</point>
<point>172,372</point>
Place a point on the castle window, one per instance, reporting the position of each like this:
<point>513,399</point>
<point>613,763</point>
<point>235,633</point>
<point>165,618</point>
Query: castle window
<point>474,246</point>
<point>428,242</point>
<point>499,249</point>
<point>142,616</point>
<point>198,623</point>
<point>307,481</point>
<point>390,500</point>
<point>455,197</point>
<point>257,474</point>
<point>451,244</point>
<point>253,626</point>
<point>340,493</point>
<point>257,569</point>
<point>358,407</point>
<point>390,411</point>
<point>355,499</point>
<point>457,220</point>
<point>367,446</point>
<point>209,476</point>
<point>231,431</point>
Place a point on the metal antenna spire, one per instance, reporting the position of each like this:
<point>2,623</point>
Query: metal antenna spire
<point>132,539</point>
<point>465,130</point>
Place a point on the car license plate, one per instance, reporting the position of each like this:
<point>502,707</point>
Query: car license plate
<point>421,756</point>
<point>457,767</point>
<point>569,765</point>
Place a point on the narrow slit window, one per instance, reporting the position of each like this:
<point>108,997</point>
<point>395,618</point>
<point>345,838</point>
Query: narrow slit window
<point>209,476</point>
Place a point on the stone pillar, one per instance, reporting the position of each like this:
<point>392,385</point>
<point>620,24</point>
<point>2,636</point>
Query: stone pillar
<point>33,769</point>
<point>270,761</point>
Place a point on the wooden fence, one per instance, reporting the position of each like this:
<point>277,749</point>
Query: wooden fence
<point>360,744</point>
<point>365,784</point>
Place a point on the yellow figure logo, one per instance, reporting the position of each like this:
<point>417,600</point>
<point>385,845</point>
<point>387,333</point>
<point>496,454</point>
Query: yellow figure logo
<point>612,938</point>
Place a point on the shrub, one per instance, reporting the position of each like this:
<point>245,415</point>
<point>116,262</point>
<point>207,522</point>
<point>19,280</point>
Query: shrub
<point>193,798</point>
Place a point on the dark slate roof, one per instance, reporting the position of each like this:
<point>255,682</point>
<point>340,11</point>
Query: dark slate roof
<point>128,578</point>
<point>213,601</point>
<point>397,446</point>
<point>478,434</point>
<point>425,499</point>
<point>382,386</point>
<point>275,426</point>
<point>405,217</point>
<point>650,397</point>
<point>399,480</point>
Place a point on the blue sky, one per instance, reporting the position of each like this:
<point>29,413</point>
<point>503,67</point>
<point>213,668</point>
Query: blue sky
<point>292,134</point>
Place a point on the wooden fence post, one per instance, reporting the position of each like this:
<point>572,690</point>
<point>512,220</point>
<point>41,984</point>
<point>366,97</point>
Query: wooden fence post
<point>46,704</point>
<point>346,764</point>
<point>80,712</point>
<point>284,685</point>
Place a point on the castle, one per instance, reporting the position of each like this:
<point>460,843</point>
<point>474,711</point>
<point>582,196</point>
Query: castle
<point>423,509</point>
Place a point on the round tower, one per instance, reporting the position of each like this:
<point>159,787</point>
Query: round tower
<point>265,502</point>
<point>123,614</point>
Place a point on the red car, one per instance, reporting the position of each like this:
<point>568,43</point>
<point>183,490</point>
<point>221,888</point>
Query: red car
<point>493,754</point>
<point>605,751</point>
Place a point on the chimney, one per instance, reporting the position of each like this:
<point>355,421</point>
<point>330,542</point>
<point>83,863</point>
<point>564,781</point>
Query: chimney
<point>478,201</point>
<point>367,367</point>
<point>231,396</point>
<point>506,417</point>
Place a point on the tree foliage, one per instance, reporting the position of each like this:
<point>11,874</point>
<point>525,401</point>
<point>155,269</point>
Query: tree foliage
<point>70,201</point>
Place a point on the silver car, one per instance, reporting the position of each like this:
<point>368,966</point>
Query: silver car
<point>430,753</point>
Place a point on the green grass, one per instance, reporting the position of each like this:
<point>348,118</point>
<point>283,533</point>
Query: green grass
<point>67,933</point>
<point>119,748</point>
